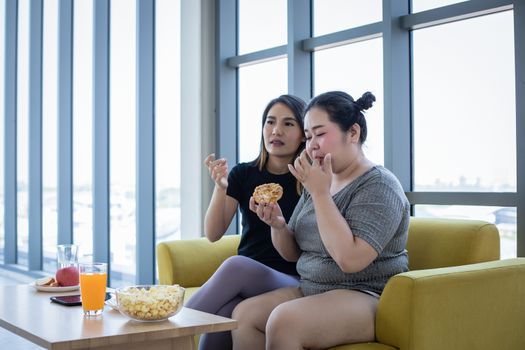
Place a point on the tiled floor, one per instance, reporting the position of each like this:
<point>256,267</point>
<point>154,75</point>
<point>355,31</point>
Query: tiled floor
<point>8,340</point>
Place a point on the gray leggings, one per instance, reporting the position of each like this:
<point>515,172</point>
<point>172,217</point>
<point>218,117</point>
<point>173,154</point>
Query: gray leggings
<point>236,279</point>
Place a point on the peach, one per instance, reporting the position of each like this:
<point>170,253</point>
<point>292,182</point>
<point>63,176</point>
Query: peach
<point>67,276</point>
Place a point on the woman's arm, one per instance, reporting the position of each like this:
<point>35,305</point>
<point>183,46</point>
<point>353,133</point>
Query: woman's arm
<point>351,253</point>
<point>284,242</point>
<point>219,214</point>
<point>222,207</point>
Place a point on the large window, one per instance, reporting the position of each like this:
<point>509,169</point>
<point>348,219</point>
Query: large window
<point>356,68</point>
<point>446,111</point>
<point>465,116</point>
<point>258,84</point>
<point>117,70</point>
<point>445,120</point>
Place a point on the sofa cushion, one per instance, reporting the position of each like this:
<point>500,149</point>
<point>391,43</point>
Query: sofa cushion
<point>191,262</point>
<point>448,242</point>
<point>363,346</point>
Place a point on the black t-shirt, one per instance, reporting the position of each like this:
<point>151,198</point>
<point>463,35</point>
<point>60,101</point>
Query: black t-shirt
<point>256,240</point>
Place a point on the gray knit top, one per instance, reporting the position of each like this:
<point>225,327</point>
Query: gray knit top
<point>377,211</point>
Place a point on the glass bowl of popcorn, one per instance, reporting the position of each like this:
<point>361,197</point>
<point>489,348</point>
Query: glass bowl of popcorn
<point>150,303</point>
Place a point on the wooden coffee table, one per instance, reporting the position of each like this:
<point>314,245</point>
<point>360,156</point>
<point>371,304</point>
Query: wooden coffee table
<point>30,314</point>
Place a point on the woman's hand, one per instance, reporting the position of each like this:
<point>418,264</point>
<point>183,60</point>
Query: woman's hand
<point>314,177</point>
<point>270,214</point>
<point>218,169</point>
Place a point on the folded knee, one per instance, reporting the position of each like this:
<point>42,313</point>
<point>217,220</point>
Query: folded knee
<point>280,323</point>
<point>244,312</point>
<point>234,263</point>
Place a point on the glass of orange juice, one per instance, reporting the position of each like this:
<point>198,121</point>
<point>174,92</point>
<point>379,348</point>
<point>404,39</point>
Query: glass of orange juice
<point>93,279</point>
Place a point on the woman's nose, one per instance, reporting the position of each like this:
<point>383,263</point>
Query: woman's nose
<point>276,130</point>
<point>313,144</point>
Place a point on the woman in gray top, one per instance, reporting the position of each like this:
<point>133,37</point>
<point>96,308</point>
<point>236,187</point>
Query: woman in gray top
<point>348,235</point>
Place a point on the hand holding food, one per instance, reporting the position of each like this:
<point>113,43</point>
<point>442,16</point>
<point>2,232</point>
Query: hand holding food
<point>264,204</point>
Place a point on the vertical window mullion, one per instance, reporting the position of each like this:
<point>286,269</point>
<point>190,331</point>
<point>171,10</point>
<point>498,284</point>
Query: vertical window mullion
<point>519,47</point>
<point>35,136</point>
<point>65,123</point>
<point>299,61</point>
<point>10,134</point>
<point>101,210</point>
<point>145,245</point>
<point>397,116</point>
<point>227,94</point>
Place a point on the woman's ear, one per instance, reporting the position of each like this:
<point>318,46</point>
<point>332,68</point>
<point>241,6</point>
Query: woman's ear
<point>354,133</point>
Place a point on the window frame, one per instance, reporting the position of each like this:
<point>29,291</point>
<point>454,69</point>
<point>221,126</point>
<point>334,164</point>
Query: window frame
<point>395,29</point>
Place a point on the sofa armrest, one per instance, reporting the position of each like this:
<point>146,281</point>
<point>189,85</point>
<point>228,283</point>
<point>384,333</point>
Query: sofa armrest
<point>477,306</point>
<point>190,262</point>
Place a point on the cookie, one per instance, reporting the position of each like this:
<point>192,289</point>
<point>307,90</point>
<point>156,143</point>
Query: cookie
<point>267,193</point>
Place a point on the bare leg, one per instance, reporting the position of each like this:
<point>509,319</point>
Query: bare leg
<point>252,315</point>
<point>322,321</point>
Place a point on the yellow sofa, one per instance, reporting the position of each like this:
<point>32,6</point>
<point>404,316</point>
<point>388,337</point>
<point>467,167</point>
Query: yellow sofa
<point>457,296</point>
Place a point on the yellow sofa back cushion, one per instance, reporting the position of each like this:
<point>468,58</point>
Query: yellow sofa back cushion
<point>451,242</point>
<point>431,243</point>
<point>190,262</point>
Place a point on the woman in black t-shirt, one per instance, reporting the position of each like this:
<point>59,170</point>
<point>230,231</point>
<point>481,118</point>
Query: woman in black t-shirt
<point>259,267</point>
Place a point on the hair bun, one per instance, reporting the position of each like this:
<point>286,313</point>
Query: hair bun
<point>366,101</point>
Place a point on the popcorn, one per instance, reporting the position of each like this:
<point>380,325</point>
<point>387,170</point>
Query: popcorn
<point>150,303</point>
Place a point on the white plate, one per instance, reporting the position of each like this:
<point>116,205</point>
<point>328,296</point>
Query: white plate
<point>54,289</point>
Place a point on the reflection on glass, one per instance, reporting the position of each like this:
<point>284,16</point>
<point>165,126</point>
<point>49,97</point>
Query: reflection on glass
<point>262,24</point>
<point>122,141</point>
<point>82,125</point>
<point>422,5</point>
<point>343,68</point>
<point>336,15</point>
<point>49,133</point>
<point>503,217</point>
<point>23,131</point>
<point>167,123</point>
<point>258,84</point>
<point>2,121</point>
<point>464,106</point>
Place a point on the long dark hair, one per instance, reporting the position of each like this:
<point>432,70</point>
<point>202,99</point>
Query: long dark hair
<point>343,110</point>
<point>296,105</point>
